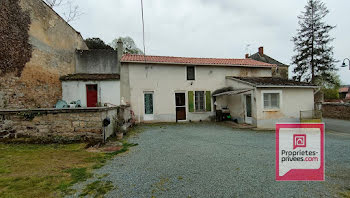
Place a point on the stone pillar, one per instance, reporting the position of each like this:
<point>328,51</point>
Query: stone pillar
<point>120,50</point>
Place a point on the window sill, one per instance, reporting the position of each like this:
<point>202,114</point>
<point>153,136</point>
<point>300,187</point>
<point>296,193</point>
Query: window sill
<point>271,110</point>
<point>200,112</point>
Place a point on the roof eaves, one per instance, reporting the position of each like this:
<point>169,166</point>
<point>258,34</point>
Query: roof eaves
<point>241,81</point>
<point>287,86</point>
<point>89,77</point>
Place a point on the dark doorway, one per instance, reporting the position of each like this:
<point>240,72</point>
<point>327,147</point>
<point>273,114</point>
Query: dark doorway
<point>248,109</point>
<point>91,95</point>
<point>180,100</point>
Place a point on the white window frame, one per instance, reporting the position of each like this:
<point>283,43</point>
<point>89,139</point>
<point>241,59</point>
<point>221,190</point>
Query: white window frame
<point>271,92</point>
<point>204,98</point>
<point>195,72</point>
<point>148,117</point>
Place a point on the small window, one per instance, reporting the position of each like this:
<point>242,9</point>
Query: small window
<point>199,101</point>
<point>190,73</point>
<point>271,100</point>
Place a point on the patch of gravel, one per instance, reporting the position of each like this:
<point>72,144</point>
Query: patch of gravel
<point>210,160</point>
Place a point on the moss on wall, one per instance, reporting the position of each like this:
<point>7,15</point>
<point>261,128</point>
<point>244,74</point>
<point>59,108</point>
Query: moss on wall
<point>53,43</point>
<point>15,50</point>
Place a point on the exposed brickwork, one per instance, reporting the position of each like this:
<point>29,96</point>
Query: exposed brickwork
<point>336,110</point>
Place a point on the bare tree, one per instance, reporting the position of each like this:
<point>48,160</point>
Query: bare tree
<point>54,3</point>
<point>128,45</point>
<point>71,11</point>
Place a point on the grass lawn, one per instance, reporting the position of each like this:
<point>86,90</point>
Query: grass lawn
<point>28,170</point>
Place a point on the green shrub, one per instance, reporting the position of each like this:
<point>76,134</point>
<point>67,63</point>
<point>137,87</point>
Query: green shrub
<point>330,94</point>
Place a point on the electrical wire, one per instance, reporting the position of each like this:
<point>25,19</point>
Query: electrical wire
<point>143,31</point>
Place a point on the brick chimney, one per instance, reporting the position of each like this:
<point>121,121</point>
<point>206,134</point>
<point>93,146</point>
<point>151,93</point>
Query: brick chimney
<point>246,55</point>
<point>261,51</point>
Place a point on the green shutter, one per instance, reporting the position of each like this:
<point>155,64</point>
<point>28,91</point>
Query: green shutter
<point>190,101</point>
<point>208,100</point>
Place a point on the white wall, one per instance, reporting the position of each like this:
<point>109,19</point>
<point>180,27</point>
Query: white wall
<point>108,91</point>
<point>165,80</point>
<point>292,102</point>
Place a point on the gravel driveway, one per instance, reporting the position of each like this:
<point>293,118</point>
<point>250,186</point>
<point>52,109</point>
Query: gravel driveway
<point>335,125</point>
<point>209,160</point>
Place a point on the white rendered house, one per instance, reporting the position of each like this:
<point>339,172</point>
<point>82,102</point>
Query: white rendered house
<point>171,89</point>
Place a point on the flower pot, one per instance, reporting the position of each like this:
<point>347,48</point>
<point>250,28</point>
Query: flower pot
<point>119,136</point>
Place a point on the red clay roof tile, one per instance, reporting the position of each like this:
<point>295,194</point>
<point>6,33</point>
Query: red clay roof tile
<point>194,61</point>
<point>344,89</point>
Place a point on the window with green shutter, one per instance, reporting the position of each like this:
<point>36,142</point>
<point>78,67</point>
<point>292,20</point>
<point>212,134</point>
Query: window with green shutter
<point>190,101</point>
<point>199,102</point>
<point>208,101</point>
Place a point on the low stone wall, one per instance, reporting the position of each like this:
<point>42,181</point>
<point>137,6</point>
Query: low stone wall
<point>70,124</point>
<point>336,110</point>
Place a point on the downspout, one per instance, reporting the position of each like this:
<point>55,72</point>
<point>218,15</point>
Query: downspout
<point>254,103</point>
<point>139,100</point>
<point>318,104</point>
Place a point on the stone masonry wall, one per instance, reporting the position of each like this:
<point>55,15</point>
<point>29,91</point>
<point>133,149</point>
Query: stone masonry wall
<point>54,43</point>
<point>70,124</point>
<point>336,110</point>
<point>282,72</point>
<point>96,61</point>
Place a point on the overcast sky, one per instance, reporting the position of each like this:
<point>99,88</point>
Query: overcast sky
<point>211,28</point>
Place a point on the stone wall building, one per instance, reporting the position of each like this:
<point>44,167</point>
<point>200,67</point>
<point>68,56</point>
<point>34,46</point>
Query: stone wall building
<point>96,81</point>
<point>54,43</point>
<point>280,71</point>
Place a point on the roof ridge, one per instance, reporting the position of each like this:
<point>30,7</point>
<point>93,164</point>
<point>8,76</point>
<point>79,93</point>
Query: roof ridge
<point>196,57</point>
<point>267,56</point>
<point>194,60</point>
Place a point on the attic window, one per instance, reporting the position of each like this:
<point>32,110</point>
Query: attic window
<point>190,73</point>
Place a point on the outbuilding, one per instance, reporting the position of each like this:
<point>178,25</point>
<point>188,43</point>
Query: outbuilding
<point>93,90</point>
<point>264,101</point>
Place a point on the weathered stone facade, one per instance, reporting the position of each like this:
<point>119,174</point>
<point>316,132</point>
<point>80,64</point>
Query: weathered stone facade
<point>54,43</point>
<point>70,124</point>
<point>336,110</point>
<point>282,72</point>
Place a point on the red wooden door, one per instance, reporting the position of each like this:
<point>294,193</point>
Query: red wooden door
<point>91,95</point>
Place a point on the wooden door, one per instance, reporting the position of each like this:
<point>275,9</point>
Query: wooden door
<point>91,95</point>
<point>180,100</point>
